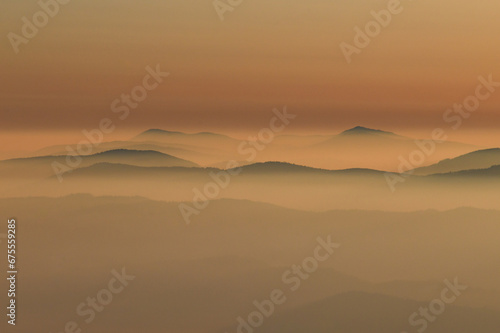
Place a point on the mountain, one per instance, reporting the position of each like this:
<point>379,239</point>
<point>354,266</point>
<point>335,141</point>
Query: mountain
<point>284,168</point>
<point>111,145</point>
<point>202,139</point>
<point>427,290</point>
<point>279,170</point>
<point>199,155</point>
<point>279,183</point>
<point>137,172</point>
<point>481,159</point>
<point>360,130</point>
<point>362,147</point>
<point>155,131</point>
<point>358,147</point>
<point>139,158</point>
<point>359,312</point>
<point>205,268</point>
<point>462,241</point>
<point>491,175</point>
<point>41,166</point>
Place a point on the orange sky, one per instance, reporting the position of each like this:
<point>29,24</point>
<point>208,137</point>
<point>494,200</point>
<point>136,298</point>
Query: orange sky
<point>227,76</point>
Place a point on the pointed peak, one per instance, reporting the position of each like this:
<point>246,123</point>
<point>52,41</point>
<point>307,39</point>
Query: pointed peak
<point>365,130</point>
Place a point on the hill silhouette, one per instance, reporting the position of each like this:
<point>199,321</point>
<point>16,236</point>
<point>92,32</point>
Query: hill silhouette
<point>480,159</point>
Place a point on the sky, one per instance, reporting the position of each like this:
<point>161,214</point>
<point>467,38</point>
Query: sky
<point>227,76</point>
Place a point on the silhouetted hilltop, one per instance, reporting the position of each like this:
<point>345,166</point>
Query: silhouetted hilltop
<point>480,159</point>
<point>364,130</point>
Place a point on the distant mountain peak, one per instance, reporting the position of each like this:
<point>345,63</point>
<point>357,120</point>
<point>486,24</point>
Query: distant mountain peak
<point>159,131</point>
<point>156,131</point>
<point>365,130</point>
<point>124,152</point>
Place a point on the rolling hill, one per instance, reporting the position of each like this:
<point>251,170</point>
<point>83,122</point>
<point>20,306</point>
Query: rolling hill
<point>42,166</point>
<point>358,312</point>
<point>481,159</point>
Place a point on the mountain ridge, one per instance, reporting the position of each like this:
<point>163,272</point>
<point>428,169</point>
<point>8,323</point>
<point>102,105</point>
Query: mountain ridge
<point>365,130</point>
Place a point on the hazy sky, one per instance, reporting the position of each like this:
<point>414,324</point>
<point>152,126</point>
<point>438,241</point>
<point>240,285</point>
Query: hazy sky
<point>228,75</point>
